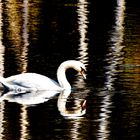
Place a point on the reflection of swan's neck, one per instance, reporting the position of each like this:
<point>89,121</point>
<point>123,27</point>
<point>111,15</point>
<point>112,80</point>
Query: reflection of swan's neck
<point>61,103</point>
<point>61,76</point>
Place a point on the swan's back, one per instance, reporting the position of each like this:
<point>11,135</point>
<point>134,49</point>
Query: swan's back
<point>33,80</point>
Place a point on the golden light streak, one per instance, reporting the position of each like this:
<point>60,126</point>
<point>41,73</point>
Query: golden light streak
<point>2,51</point>
<point>83,27</point>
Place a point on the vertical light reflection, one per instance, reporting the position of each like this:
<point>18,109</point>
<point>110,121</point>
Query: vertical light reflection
<point>1,119</point>
<point>83,27</point>
<point>82,11</point>
<point>17,17</point>
<point>24,123</point>
<point>115,55</point>
<point>74,130</point>
<point>25,36</point>
<point>24,115</point>
<point>75,125</point>
<point>103,131</point>
<point>17,26</point>
<point>2,50</point>
<point>113,58</point>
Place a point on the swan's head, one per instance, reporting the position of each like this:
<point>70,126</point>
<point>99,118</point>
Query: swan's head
<point>80,67</point>
<point>77,65</point>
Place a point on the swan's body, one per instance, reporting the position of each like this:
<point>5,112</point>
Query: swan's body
<point>32,81</point>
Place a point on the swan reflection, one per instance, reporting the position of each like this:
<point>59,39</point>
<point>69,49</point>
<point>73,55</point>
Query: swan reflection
<point>38,97</point>
<point>28,98</point>
<point>61,104</point>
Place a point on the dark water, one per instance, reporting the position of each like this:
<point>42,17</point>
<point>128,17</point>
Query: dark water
<point>36,36</point>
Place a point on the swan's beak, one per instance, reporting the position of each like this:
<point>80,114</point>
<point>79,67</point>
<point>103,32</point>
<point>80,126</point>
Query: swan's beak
<point>83,73</point>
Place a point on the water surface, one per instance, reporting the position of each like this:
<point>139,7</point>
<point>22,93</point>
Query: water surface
<point>37,36</point>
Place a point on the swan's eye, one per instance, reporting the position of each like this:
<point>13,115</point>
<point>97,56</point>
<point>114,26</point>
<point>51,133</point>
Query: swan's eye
<point>18,90</point>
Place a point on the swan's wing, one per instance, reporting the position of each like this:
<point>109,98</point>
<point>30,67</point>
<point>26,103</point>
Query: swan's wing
<point>33,80</point>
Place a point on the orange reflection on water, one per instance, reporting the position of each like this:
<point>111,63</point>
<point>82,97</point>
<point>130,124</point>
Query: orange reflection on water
<point>16,15</point>
<point>17,31</point>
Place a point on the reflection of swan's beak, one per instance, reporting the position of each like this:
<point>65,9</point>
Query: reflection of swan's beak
<point>84,75</point>
<point>83,105</point>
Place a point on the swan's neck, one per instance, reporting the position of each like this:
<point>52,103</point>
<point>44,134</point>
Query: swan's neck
<point>61,76</point>
<point>61,103</point>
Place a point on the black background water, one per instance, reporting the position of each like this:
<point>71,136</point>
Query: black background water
<point>37,36</point>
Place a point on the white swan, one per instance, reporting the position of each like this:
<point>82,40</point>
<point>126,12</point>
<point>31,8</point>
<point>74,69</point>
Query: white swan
<point>61,104</point>
<point>32,82</point>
